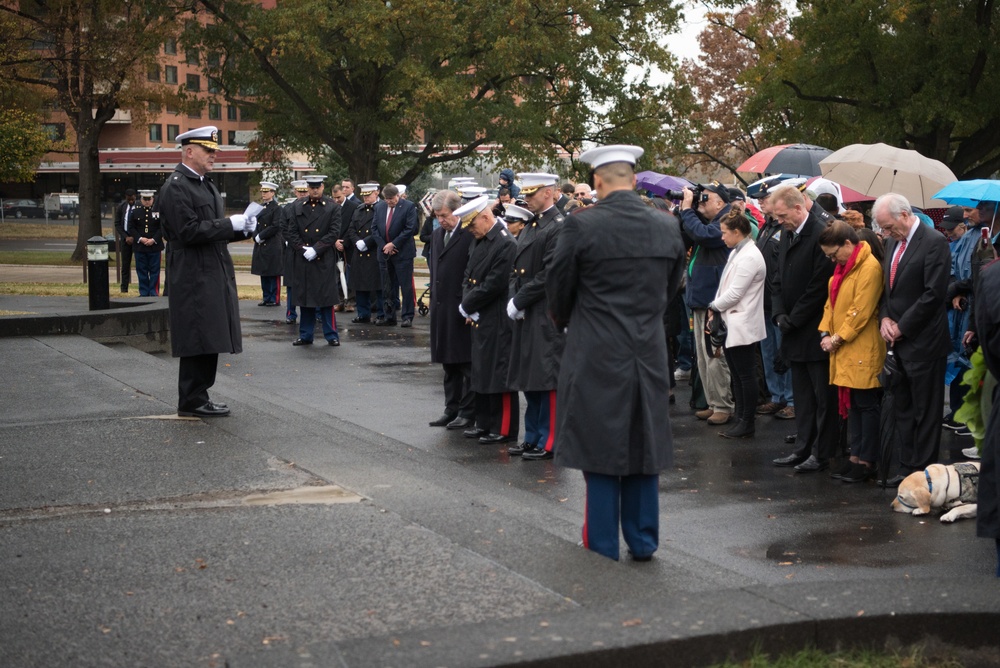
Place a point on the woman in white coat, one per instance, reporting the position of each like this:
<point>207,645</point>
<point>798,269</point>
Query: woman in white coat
<point>740,300</point>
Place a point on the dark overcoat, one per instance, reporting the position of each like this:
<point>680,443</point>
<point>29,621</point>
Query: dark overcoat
<point>451,339</point>
<point>365,273</point>
<point>800,290</point>
<point>988,330</point>
<point>268,255</point>
<point>201,281</point>
<point>145,223</point>
<point>537,344</point>
<point>485,292</point>
<point>612,293</point>
<point>287,260</point>
<point>347,209</point>
<point>315,224</point>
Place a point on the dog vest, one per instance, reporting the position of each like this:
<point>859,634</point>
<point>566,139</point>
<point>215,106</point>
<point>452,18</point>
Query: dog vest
<point>968,480</point>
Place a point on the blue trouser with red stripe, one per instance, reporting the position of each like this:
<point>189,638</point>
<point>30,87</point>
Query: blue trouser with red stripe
<point>540,419</point>
<point>500,413</point>
<point>632,500</point>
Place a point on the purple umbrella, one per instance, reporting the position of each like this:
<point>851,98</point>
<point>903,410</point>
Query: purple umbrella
<point>659,184</point>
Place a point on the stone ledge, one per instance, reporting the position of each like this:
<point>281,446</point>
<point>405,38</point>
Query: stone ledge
<point>141,324</point>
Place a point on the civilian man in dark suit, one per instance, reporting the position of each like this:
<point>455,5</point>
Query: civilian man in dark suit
<point>451,341</point>
<point>798,294</point>
<point>204,305</point>
<point>914,322</point>
<point>125,237</point>
<point>395,225</point>
<point>612,291</point>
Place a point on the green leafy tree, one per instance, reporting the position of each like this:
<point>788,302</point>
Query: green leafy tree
<point>93,57</point>
<point>23,142</point>
<point>394,89</point>
<point>912,73</point>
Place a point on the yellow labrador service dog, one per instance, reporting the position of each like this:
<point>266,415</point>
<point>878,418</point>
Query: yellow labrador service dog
<point>951,487</point>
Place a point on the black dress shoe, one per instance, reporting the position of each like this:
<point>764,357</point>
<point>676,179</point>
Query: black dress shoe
<point>519,449</point>
<point>858,473</point>
<point>302,342</point>
<point>536,454</point>
<point>264,304</point>
<point>742,429</point>
<point>407,322</point>
<point>460,423</point>
<point>385,323</point>
<point>812,465</point>
<point>475,432</point>
<point>359,320</point>
<point>206,410</point>
<point>893,481</point>
<point>636,557</point>
<point>791,460</point>
<point>441,421</point>
<point>290,321</point>
<point>334,342</point>
<point>843,469</point>
<point>790,438</point>
<point>490,439</point>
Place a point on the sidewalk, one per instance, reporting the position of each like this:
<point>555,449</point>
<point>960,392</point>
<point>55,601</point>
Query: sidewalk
<point>128,537</point>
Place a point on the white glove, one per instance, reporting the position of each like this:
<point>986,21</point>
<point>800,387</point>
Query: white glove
<point>250,226</point>
<point>512,311</point>
<point>258,239</point>
<point>474,317</point>
<point>310,253</point>
<point>462,311</point>
<point>239,222</point>
<point>361,245</point>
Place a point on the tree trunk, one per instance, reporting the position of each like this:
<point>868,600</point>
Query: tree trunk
<point>90,186</point>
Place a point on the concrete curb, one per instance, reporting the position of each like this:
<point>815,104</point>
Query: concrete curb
<point>141,324</point>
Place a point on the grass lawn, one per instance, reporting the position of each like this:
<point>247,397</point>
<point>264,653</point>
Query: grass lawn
<point>64,259</point>
<point>912,657</point>
<point>29,231</point>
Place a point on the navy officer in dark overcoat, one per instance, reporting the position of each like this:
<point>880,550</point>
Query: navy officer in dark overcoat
<point>201,283</point>
<point>313,227</point>
<point>616,267</point>
<point>365,277</point>
<point>484,300</point>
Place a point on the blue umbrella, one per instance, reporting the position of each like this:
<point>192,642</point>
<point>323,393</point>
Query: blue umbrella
<point>970,193</point>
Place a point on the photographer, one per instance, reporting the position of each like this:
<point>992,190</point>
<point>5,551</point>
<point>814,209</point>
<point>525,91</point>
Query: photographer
<point>709,256</point>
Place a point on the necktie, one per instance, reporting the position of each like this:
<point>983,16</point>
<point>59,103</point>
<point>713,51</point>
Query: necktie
<point>447,237</point>
<point>895,262</point>
<point>128,213</point>
<point>388,221</point>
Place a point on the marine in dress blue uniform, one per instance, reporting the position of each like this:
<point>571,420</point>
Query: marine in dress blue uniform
<point>147,244</point>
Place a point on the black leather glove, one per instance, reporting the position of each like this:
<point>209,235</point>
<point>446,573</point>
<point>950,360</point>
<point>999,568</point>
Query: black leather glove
<point>784,323</point>
<point>780,366</point>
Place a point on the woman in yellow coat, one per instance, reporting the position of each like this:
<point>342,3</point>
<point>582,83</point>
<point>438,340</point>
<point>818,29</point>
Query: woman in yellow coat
<point>849,332</point>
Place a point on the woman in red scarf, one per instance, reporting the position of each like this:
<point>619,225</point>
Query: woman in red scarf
<point>849,332</point>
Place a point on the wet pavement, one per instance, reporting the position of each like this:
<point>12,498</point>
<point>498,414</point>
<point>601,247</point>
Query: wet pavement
<point>127,536</point>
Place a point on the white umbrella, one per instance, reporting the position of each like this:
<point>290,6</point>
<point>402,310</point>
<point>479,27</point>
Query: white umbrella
<point>877,169</point>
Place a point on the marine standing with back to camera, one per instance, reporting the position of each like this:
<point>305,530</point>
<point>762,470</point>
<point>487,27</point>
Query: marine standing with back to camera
<point>612,293</point>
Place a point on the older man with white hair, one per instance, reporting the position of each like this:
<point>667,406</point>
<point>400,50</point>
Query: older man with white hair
<point>914,323</point>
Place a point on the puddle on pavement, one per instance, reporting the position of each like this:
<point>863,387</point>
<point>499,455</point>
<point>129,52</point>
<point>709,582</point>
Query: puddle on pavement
<point>325,495</point>
<point>876,545</point>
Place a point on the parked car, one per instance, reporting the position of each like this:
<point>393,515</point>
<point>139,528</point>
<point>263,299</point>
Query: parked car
<point>23,208</point>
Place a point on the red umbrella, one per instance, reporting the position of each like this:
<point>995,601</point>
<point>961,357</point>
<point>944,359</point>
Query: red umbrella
<point>801,159</point>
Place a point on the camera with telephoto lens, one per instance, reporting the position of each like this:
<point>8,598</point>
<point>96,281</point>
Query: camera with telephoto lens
<point>697,189</point>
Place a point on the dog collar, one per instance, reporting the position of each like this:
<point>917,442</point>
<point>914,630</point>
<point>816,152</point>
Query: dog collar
<point>904,503</point>
<point>930,485</point>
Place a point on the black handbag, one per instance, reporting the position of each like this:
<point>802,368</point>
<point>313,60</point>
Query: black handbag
<point>717,330</point>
